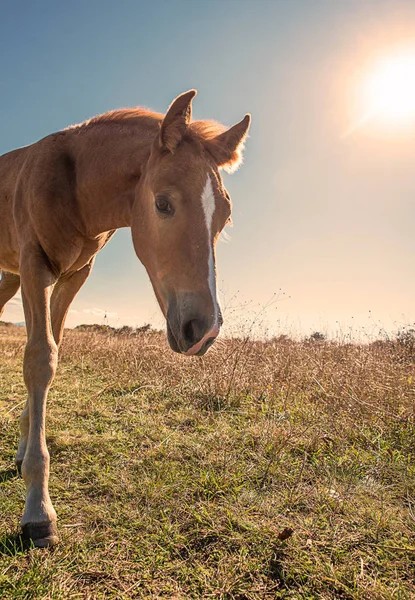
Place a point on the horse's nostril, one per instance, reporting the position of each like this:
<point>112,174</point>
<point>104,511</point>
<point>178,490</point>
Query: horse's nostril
<point>193,331</point>
<point>190,331</point>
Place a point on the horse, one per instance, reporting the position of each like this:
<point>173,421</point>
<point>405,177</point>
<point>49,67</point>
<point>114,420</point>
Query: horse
<point>61,200</point>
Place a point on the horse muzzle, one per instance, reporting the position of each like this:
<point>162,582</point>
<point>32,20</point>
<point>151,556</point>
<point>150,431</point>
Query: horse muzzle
<point>191,331</point>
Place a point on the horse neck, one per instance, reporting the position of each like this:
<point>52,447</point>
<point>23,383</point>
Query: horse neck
<point>109,161</point>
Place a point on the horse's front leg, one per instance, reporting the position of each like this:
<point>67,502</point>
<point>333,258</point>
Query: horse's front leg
<point>40,361</point>
<point>64,292</point>
<point>24,417</point>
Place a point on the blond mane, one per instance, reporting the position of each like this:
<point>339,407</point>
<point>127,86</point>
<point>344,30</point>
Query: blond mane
<point>120,116</point>
<point>204,131</point>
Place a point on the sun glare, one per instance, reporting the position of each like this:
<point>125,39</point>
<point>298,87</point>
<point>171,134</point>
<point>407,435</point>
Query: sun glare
<point>386,94</point>
<point>390,89</point>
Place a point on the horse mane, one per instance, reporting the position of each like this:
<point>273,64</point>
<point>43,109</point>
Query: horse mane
<point>203,132</point>
<point>206,130</point>
<point>120,116</point>
<point>125,114</point>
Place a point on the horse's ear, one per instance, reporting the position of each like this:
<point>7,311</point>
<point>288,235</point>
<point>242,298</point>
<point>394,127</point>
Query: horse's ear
<point>176,121</point>
<point>227,147</point>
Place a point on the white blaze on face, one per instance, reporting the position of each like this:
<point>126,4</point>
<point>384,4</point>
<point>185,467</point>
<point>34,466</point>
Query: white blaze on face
<point>208,204</point>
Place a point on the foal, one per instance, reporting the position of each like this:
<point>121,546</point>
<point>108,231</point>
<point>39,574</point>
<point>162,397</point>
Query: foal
<point>62,198</point>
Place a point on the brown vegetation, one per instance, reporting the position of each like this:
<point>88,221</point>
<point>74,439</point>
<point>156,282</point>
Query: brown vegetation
<point>276,469</point>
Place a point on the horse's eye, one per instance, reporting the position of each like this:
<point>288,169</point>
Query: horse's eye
<point>163,205</point>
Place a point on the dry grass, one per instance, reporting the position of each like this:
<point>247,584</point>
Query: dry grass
<point>176,478</point>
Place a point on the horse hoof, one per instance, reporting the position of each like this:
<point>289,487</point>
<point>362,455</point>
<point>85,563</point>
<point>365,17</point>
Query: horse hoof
<point>43,535</point>
<point>19,466</point>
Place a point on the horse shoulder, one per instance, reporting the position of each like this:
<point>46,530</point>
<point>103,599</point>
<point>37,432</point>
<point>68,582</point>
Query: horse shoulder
<point>46,207</point>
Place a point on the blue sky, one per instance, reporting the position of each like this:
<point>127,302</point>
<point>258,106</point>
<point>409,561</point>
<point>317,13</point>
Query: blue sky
<point>323,220</point>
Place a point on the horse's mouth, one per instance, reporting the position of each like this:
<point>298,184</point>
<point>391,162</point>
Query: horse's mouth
<point>206,346</point>
<point>174,345</point>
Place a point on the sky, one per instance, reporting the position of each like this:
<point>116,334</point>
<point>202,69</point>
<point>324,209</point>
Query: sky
<point>323,211</point>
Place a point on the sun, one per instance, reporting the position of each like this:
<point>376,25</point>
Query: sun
<point>390,89</point>
<point>385,94</point>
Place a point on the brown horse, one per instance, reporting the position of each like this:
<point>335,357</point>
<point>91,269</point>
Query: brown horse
<point>62,198</point>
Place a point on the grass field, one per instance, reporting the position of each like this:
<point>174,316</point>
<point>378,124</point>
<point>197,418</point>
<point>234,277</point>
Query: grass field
<point>265,470</point>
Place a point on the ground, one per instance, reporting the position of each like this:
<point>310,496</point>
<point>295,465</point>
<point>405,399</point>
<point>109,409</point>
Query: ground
<point>279,469</point>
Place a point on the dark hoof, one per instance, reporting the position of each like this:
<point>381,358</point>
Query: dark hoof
<point>19,466</point>
<point>43,535</point>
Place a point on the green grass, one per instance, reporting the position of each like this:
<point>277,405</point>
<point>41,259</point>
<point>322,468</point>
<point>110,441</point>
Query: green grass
<point>175,478</point>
